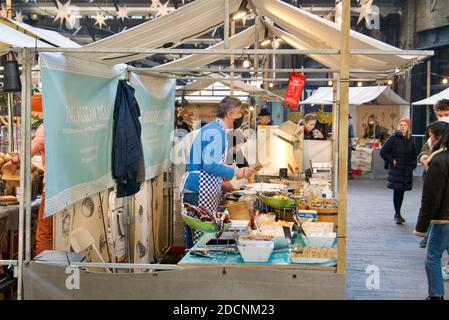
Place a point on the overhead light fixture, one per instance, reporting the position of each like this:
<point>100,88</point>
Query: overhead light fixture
<point>390,82</point>
<point>359,84</point>
<point>275,44</point>
<point>246,63</point>
<point>445,81</point>
<point>330,83</point>
<point>271,85</point>
<point>242,12</point>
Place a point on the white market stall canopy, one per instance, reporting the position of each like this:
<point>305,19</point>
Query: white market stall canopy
<point>10,37</point>
<point>304,30</point>
<point>52,37</point>
<point>433,99</point>
<point>174,28</point>
<point>383,95</point>
<point>297,27</point>
<point>215,93</point>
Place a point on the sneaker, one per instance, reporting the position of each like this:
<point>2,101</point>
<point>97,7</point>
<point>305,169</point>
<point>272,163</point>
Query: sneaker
<point>445,272</point>
<point>399,219</point>
<point>423,243</point>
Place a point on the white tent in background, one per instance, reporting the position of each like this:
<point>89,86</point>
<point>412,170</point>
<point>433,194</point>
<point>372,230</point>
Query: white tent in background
<point>433,99</point>
<point>382,101</point>
<point>383,95</point>
<point>214,93</point>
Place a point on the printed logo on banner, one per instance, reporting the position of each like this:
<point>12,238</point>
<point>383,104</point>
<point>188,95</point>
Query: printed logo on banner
<point>295,86</point>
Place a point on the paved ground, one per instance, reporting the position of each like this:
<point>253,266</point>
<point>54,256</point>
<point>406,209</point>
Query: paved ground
<point>374,239</point>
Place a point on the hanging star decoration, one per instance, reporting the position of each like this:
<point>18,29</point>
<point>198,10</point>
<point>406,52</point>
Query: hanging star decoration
<point>100,19</point>
<point>365,10</point>
<point>162,10</point>
<point>19,17</point>
<point>3,12</point>
<point>155,4</point>
<point>122,13</point>
<point>64,11</point>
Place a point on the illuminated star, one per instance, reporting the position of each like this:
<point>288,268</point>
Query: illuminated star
<point>365,10</point>
<point>63,12</point>
<point>19,17</point>
<point>99,19</point>
<point>122,13</point>
<point>3,12</point>
<point>162,10</point>
<point>155,4</point>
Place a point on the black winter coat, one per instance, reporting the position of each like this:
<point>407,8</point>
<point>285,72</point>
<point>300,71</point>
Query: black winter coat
<point>403,150</point>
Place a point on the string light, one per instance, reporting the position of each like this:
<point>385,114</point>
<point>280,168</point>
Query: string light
<point>276,43</point>
<point>271,85</point>
<point>246,64</point>
<point>445,81</point>
<point>359,84</point>
<point>390,82</point>
<point>330,83</point>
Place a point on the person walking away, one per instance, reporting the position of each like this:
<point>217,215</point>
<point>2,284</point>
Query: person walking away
<point>399,153</point>
<point>434,212</point>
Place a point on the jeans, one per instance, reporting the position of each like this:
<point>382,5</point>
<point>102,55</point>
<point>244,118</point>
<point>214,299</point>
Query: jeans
<point>190,198</point>
<point>438,242</point>
<point>398,198</point>
<point>349,160</point>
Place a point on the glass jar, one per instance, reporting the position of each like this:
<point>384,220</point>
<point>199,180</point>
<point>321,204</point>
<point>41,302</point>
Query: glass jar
<point>250,197</point>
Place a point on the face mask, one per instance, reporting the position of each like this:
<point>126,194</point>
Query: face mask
<point>444,119</point>
<point>238,122</point>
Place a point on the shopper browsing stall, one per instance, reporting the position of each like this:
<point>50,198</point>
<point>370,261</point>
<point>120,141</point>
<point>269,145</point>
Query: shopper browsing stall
<point>311,132</point>
<point>399,153</point>
<point>264,118</point>
<point>44,232</point>
<point>434,212</point>
<point>206,168</point>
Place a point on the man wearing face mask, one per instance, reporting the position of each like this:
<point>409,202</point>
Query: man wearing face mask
<point>441,109</point>
<point>206,168</point>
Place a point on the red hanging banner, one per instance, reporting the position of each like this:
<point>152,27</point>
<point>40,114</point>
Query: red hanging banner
<point>295,86</point>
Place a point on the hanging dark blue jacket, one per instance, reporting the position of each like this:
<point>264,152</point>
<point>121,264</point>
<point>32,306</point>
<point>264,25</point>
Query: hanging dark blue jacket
<point>128,167</point>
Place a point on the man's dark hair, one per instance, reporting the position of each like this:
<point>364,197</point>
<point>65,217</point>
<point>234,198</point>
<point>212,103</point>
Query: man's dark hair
<point>441,105</point>
<point>226,105</point>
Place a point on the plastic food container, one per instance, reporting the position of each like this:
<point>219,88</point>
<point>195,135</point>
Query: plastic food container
<point>255,251</point>
<point>319,240</point>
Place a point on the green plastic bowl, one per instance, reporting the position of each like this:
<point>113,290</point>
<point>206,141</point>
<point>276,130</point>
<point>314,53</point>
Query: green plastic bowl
<point>205,226</point>
<point>277,203</point>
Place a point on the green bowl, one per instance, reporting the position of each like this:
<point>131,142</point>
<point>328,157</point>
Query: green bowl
<point>205,226</point>
<point>277,203</point>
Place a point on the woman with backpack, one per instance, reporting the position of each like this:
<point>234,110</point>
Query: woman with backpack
<point>400,154</point>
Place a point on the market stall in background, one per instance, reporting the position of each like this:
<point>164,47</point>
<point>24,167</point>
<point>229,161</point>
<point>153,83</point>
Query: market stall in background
<point>375,112</point>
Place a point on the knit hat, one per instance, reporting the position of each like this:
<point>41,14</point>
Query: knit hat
<point>264,112</point>
<point>406,120</point>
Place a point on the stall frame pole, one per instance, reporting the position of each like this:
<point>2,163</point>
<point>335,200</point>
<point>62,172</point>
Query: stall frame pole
<point>25,169</point>
<point>345,61</point>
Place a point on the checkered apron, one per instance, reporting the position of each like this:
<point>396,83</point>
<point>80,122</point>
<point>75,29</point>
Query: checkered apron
<point>209,195</point>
